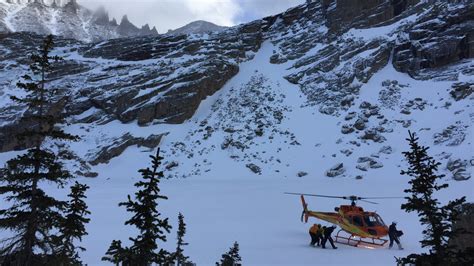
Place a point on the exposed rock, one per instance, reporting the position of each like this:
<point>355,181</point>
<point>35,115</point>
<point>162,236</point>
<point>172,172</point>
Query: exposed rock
<point>453,135</point>
<point>118,145</point>
<point>337,170</point>
<point>254,168</point>
<point>9,133</point>
<point>350,116</point>
<point>172,165</point>
<point>347,129</point>
<point>374,135</point>
<point>458,168</point>
<point>436,40</point>
<point>386,150</point>
<point>301,174</point>
<point>462,90</point>
<point>359,124</point>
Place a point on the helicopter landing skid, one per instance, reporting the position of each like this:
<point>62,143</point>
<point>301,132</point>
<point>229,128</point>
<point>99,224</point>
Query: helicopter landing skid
<point>356,241</point>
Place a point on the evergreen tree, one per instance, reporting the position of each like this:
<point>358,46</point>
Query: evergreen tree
<point>146,218</point>
<point>118,255</point>
<point>72,227</point>
<point>32,214</point>
<point>437,219</point>
<point>178,257</point>
<point>231,258</point>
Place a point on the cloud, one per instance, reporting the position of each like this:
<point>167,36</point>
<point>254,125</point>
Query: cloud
<point>171,14</point>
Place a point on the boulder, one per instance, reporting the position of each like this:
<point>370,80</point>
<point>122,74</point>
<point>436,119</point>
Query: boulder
<point>336,170</point>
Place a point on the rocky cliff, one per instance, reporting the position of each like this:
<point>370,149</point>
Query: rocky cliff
<point>331,50</point>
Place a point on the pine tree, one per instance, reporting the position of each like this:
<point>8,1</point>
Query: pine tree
<point>231,258</point>
<point>33,214</point>
<point>72,227</point>
<point>146,218</point>
<point>437,219</point>
<point>178,257</point>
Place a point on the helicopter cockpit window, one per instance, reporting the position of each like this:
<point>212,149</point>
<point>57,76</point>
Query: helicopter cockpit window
<point>373,220</point>
<point>357,220</point>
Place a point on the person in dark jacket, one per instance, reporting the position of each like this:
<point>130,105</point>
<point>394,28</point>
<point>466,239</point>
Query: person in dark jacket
<point>394,235</point>
<point>327,236</point>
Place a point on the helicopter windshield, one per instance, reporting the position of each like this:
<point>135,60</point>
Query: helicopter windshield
<point>373,219</point>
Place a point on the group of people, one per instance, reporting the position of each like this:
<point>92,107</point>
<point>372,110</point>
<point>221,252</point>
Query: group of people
<point>321,235</point>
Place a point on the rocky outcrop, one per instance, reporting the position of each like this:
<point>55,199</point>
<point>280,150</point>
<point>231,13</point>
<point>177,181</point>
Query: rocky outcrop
<point>462,90</point>
<point>9,133</point>
<point>117,146</point>
<point>436,40</point>
<point>336,170</point>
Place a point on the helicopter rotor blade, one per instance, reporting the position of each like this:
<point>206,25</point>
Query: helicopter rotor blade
<point>368,201</point>
<point>380,198</point>
<point>315,195</point>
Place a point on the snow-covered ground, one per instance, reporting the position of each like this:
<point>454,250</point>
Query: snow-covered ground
<point>223,201</point>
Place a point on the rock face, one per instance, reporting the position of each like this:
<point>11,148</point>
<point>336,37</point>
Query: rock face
<point>142,79</point>
<point>68,19</point>
<point>330,49</point>
<point>436,40</point>
<point>119,145</point>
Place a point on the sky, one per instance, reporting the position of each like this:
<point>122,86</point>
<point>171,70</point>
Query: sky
<point>172,14</point>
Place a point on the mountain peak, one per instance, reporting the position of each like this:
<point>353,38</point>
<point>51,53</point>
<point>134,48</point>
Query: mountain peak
<point>198,27</point>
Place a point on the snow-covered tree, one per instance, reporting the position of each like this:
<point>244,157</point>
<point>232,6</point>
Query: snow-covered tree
<point>33,214</point>
<point>146,218</point>
<point>437,218</point>
<point>231,258</point>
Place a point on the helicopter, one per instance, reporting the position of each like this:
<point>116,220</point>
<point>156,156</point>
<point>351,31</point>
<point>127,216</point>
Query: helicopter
<point>364,229</point>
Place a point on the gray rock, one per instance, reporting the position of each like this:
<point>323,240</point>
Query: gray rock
<point>462,90</point>
<point>359,124</point>
<point>458,168</point>
<point>337,170</point>
<point>118,145</point>
<point>453,135</point>
<point>386,150</point>
<point>302,173</point>
<point>347,129</point>
<point>254,168</point>
<point>375,165</point>
<point>374,135</point>
<point>350,116</point>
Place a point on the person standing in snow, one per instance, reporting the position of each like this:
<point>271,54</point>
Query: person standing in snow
<point>394,234</point>
<point>327,236</point>
<point>313,232</point>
